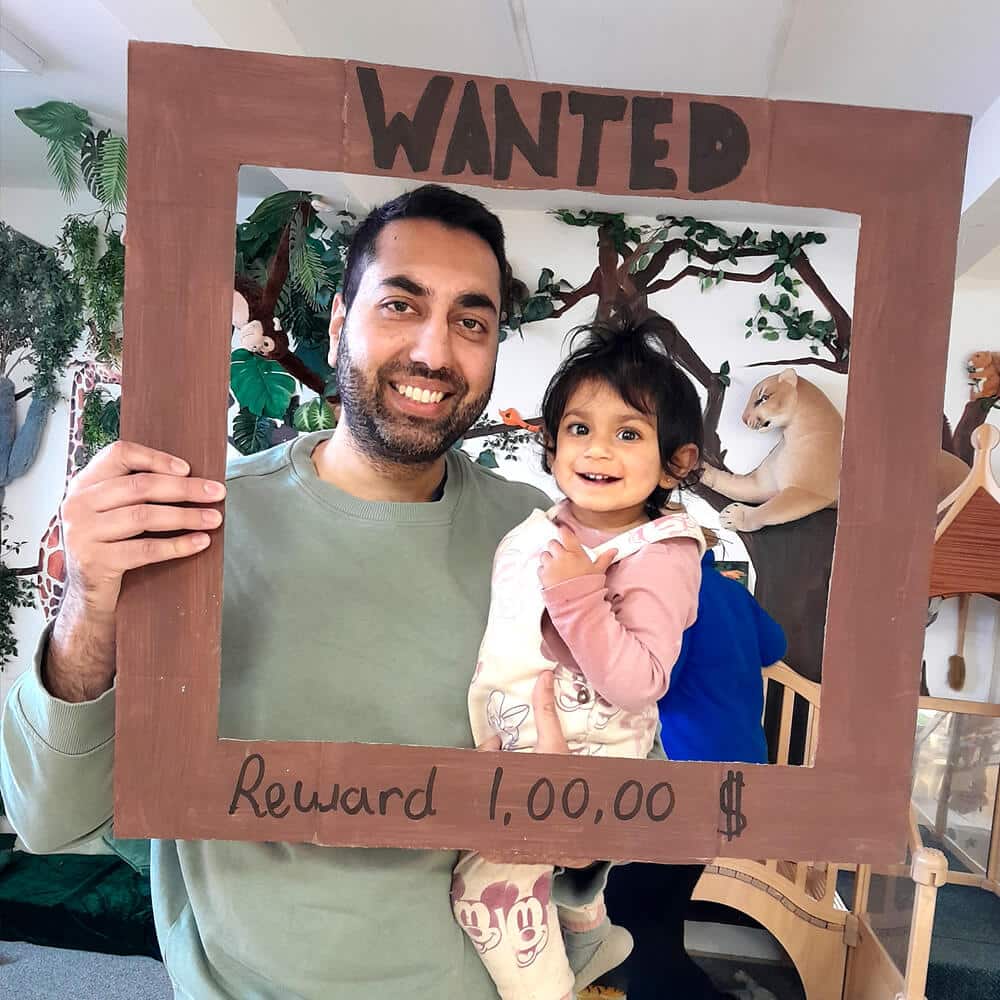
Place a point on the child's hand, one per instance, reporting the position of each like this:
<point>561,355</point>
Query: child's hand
<point>564,559</point>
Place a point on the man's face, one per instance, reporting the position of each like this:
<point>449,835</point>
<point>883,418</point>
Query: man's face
<point>416,355</point>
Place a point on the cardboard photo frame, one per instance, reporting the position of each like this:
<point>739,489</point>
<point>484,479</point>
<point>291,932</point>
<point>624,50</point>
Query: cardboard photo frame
<point>196,115</point>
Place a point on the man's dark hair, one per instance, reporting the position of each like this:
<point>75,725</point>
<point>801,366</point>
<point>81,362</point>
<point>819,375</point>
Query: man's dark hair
<point>438,204</point>
<point>631,358</point>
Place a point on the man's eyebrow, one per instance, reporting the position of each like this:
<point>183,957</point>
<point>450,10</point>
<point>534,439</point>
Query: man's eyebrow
<point>477,300</point>
<point>405,284</point>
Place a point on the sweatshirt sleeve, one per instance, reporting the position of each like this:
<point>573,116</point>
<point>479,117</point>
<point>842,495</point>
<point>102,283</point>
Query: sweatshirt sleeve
<point>770,637</point>
<point>55,763</point>
<point>626,646</point>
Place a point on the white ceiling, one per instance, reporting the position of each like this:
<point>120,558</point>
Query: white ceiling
<point>893,53</point>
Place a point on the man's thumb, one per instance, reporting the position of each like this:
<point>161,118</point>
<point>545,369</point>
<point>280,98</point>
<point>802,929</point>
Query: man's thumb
<point>550,734</point>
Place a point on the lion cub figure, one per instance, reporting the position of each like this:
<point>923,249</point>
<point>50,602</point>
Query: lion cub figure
<point>984,374</point>
<point>801,475</point>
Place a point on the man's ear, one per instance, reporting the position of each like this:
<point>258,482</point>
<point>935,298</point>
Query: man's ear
<point>337,317</point>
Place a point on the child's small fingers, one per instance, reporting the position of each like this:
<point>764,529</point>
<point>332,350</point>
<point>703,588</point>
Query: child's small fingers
<point>568,539</point>
<point>605,559</point>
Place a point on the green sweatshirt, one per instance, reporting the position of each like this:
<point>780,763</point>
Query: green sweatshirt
<point>342,620</point>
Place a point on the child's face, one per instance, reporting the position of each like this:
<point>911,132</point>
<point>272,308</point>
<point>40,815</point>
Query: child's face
<point>607,457</point>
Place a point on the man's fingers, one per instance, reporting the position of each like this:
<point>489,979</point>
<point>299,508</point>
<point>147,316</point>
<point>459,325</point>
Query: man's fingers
<point>123,556</point>
<point>514,858</point>
<point>149,487</point>
<point>123,457</point>
<point>128,522</point>
<point>543,703</point>
<point>492,743</point>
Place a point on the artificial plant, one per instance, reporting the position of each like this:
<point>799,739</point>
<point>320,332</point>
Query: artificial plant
<point>40,324</point>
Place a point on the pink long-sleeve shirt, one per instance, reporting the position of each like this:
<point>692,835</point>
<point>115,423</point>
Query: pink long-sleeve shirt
<point>623,630</point>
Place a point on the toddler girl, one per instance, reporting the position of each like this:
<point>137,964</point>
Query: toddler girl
<point>599,589</point>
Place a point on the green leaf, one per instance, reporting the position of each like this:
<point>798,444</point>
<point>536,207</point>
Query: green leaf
<point>90,159</point>
<point>725,380</point>
<point>315,415</point>
<point>545,278</point>
<point>305,261</point>
<point>63,158</point>
<point>251,433</point>
<point>111,418</point>
<point>784,302</point>
<point>748,335</point>
<point>764,304</point>
<point>58,121</point>
<point>749,322</point>
<point>113,171</point>
<point>260,385</point>
<point>724,369</point>
<point>538,307</point>
<point>818,238</point>
<point>63,126</point>
<point>761,322</point>
<point>814,348</point>
<point>315,356</point>
<point>771,335</point>
<point>274,211</point>
<point>487,459</point>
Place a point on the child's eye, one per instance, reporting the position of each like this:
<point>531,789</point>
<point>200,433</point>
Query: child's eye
<point>627,434</point>
<point>577,430</point>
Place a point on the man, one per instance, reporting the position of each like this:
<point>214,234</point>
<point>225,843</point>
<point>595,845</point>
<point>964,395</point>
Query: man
<point>356,590</point>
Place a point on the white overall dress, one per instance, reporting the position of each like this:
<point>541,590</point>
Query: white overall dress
<point>506,909</point>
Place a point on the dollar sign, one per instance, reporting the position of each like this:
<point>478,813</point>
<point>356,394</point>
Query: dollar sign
<point>731,805</point>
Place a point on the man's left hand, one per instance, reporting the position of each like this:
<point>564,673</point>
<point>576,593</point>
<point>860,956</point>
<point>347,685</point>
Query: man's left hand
<point>550,740</point>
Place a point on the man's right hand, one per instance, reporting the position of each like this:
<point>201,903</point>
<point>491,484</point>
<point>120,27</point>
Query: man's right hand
<point>125,491</point>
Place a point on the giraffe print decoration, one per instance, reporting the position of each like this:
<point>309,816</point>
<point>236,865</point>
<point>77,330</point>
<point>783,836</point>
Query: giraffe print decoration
<point>51,556</point>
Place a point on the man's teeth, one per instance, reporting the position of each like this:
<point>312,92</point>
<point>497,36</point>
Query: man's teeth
<point>419,395</point>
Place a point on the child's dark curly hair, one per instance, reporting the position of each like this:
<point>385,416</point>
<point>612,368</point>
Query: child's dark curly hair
<point>630,357</point>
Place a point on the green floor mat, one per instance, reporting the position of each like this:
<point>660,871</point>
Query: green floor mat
<point>965,949</point>
<point>86,902</point>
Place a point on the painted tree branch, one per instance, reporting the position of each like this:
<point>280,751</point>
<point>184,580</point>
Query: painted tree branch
<point>691,270</point>
<point>571,298</point>
<point>974,415</point>
<point>828,363</point>
<point>490,430</point>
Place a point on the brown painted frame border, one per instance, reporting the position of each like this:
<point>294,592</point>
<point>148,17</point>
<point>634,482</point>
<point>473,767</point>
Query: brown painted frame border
<point>196,115</point>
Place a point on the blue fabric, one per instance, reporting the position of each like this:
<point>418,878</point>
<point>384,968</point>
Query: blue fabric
<point>713,708</point>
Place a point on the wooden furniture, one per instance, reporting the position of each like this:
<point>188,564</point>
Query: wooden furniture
<point>966,560</point>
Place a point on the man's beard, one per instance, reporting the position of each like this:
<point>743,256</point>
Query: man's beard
<point>392,437</point>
